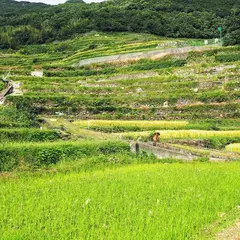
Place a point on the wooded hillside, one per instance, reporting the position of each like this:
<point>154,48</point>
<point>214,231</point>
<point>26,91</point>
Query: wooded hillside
<point>39,23</point>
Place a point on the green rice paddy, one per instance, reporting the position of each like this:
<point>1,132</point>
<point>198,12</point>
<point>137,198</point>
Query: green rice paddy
<point>66,170</point>
<point>176,201</point>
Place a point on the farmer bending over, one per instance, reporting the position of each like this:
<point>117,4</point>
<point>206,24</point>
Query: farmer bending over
<point>156,138</point>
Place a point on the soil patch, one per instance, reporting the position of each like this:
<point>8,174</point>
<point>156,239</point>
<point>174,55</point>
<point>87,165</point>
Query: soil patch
<point>231,233</point>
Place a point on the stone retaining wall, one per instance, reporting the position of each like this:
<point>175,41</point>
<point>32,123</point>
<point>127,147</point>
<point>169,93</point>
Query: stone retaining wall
<point>162,151</point>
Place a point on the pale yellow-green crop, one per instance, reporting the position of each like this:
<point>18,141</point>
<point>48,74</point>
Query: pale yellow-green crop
<point>235,147</point>
<point>136,123</point>
<point>185,134</point>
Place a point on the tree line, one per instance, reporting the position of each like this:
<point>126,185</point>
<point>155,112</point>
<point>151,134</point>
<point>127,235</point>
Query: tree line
<point>169,18</point>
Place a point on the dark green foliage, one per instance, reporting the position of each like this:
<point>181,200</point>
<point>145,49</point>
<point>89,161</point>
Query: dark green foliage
<point>150,65</point>
<point>172,18</point>
<point>20,116</point>
<point>9,7</point>
<point>38,154</point>
<point>221,142</point>
<point>2,85</point>
<point>75,1</point>
<point>214,124</point>
<point>215,96</point>
<point>232,26</point>
<point>228,58</point>
<point>26,134</point>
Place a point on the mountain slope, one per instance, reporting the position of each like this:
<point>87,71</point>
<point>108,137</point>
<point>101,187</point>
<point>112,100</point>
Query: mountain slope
<point>13,7</point>
<point>39,23</point>
<point>219,7</point>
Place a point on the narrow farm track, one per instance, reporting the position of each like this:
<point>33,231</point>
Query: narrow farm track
<point>164,150</point>
<point>138,55</point>
<point>231,233</point>
<point>77,132</point>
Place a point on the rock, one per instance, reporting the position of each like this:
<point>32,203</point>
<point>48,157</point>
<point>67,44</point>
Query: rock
<point>195,90</point>
<point>182,102</point>
<point>59,113</point>
<point>159,113</point>
<point>2,101</point>
<point>165,104</point>
<point>37,74</point>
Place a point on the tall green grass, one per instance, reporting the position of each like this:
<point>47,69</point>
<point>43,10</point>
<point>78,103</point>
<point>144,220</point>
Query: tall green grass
<point>35,155</point>
<point>27,134</point>
<point>174,201</point>
<point>122,126</point>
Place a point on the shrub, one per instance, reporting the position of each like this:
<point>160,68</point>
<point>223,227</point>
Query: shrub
<point>38,154</point>
<point>228,58</point>
<point>20,115</point>
<point>25,134</point>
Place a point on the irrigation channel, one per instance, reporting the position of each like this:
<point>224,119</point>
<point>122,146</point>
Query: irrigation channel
<point>164,151</point>
<point>161,151</point>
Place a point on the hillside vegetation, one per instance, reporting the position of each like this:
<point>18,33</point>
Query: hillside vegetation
<point>192,19</point>
<point>66,169</point>
<point>11,7</point>
<point>195,85</point>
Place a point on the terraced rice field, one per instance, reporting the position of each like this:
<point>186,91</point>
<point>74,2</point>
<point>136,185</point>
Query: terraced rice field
<point>197,85</point>
<point>185,134</point>
<point>129,125</point>
<point>235,147</point>
<point>66,170</point>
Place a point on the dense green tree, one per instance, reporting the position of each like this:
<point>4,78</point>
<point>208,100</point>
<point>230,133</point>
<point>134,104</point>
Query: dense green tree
<point>38,23</point>
<point>233,28</point>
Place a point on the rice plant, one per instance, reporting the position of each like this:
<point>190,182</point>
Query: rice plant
<point>235,147</point>
<point>156,201</point>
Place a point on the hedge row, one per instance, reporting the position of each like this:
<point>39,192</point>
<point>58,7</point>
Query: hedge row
<point>228,58</point>
<point>10,124</point>
<point>35,155</point>
<point>26,134</point>
<point>221,142</point>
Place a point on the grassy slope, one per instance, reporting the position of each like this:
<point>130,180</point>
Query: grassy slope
<point>196,85</point>
<point>146,201</point>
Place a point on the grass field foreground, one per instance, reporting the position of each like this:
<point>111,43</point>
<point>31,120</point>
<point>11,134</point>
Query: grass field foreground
<point>174,201</point>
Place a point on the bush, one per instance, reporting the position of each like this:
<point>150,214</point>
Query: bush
<point>149,64</point>
<point>228,58</point>
<point>43,154</point>
<point>25,134</point>
<point>19,115</point>
<point>221,142</point>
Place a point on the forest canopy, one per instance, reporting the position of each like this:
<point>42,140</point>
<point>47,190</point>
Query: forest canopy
<point>24,23</point>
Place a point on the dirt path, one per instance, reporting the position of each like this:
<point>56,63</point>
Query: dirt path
<point>138,55</point>
<point>76,131</point>
<point>231,233</point>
